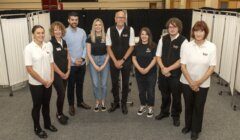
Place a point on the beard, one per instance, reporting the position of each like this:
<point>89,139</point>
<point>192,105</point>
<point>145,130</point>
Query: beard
<point>74,25</point>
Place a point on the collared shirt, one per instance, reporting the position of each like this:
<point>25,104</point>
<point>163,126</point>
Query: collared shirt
<point>131,38</point>
<point>40,58</point>
<point>197,60</point>
<point>160,44</point>
<point>144,56</point>
<point>76,42</point>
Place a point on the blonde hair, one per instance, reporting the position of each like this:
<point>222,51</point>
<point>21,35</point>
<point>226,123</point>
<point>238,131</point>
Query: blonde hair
<point>93,33</point>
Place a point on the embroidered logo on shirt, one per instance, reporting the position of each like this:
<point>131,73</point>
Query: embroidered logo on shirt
<point>175,47</point>
<point>148,50</point>
<point>205,54</point>
<point>125,35</point>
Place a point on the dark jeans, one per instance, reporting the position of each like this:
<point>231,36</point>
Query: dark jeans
<point>60,86</point>
<point>41,98</point>
<point>194,107</point>
<point>76,78</point>
<point>146,87</point>
<point>170,86</point>
<point>125,74</point>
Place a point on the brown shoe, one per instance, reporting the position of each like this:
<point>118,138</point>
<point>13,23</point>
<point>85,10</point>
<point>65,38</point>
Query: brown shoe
<point>84,105</point>
<point>71,110</point>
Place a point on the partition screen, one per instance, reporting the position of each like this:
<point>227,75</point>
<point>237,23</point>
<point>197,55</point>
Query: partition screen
<point>15,35</point>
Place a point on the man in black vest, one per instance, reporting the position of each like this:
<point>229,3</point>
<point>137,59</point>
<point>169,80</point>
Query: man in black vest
<point>120,44</point>
<point>168,58</point>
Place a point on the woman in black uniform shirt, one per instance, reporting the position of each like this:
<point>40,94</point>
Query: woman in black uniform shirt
<point>144,61</point>
<point>62,64</point>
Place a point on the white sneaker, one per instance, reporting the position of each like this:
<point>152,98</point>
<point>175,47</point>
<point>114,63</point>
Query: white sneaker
<point>141,110</point>
<point>150,112</point>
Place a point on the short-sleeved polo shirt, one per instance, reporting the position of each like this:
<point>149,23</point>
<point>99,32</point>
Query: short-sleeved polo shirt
<point>197,60</point>
<point>40,58</point>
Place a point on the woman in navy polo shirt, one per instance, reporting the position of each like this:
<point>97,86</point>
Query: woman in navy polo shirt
<point>144,60</point>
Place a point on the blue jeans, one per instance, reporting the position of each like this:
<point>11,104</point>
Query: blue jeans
<point>99,79</point>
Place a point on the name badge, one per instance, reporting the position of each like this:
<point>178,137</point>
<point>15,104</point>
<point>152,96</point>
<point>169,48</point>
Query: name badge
<point>205,54</point>
<point>175,46</point>
<point>58,49</point>
<point>148,50</point>
<point>125,35</point>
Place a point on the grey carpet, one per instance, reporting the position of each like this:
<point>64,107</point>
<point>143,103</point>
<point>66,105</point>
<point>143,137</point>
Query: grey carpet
<point>220,121</point>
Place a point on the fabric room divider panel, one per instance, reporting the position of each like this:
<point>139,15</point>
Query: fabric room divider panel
<point>15,35</point>
<point>196,16</point>
<point>228,48</point>
<point>208,18</point>
<point>237,80</point>
<point>217,37</point>
<point>43,19</point>
<point>235,85</point>
<point>235,56</point>
<point>3,69</point>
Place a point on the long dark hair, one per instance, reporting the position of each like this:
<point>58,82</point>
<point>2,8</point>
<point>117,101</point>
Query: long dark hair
<point>151,44</point>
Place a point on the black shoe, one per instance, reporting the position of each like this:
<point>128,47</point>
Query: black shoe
<point>194,136</point>
<point>40,133</point>
<point>96,109</point>
<point>71,110</point>
<point>124,109</point>
<point>62,119</point>
<point>176,122</point>
<point>113,107</point>
<point>161,116</point>
<point>51,128</point>
<point>103,108</point>
<point>84,106</point>
<point>67,118</point>
<point>185,130</point>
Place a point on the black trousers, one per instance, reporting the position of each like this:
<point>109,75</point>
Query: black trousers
<point>41,98</point>
<point>125,75</point>
<point>194,107</point>
<point>170,86</point>
<point>146,88</point>
<point>60,86</point>
<point>76,78</point>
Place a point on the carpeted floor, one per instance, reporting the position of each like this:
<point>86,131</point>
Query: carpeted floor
<point>220,121</point>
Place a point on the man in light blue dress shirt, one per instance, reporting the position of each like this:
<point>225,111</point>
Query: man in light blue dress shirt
<point>76,41</point>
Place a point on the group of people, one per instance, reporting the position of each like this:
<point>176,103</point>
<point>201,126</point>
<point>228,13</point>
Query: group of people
<point>184,68</point>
